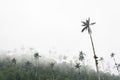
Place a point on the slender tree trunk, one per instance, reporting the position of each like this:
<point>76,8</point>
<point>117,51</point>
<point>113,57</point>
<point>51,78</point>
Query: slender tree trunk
<point>95,57</point>
<point>116,65</point>
<point>36,69</point>
<point>52,71</point>
<point>53,75</point>
<point>103,69</point>
<point>84,67</point>
<point>79,73</point>
<point>86,73</point>
<point>79,70</point>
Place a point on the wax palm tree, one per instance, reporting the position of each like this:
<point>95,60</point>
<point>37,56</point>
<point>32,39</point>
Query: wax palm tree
<point>52,64</point>
<point>14,66</point>
<point>113,56</point>
<point>81,56</point>
<point>77,66</point>
<point>64,57</point>
<point>28,67</point>
<point>36,56</point>
<point>86,24</point>
<point>28,64</point>
<point>101,60</point>
<point>13,61</point>
<point>116,65</point>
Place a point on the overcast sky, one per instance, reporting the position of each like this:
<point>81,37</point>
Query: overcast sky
<point>56,25</point>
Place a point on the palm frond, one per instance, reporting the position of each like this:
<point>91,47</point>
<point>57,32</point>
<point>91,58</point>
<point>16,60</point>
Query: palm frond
<point>88,21</point>
<point>93,23</point>
<point>84,29</point>
<point>84,23</point>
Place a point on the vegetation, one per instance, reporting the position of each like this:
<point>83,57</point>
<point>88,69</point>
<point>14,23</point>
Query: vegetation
<point>51,71</point>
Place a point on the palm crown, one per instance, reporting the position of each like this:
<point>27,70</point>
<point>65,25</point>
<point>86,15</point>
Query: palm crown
<point>86,25</point>
<point>52,64</point>
<point>77,65</point>
<point>81,56</point>
<point>112,55</point>
<point>28,63</point>
<point>36,55</point>
<point>101,59</point>
<point>14,61</point>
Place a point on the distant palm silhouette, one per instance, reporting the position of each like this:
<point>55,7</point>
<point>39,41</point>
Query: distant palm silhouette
<point>28,63</point>
<point>116,65</point>
<point>52,64</point>
<point>101,60</point>
<point>81,56</point>
<point>36,56</point>
<point>86,24</point>
<point>77,66</point>
<point>113,56</point>
<point>13,61</point>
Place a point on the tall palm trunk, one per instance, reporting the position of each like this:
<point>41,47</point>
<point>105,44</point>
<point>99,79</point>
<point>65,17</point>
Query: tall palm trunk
<point>103,69</point>
<point>52,74</point>
<point>84,67</point>
<point>95,57</point>
<point>37,67</point>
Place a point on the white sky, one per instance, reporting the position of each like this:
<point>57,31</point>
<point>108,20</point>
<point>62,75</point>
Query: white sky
<point>56,24</point>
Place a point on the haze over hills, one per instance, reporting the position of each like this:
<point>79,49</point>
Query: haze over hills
<point>53,28</point>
